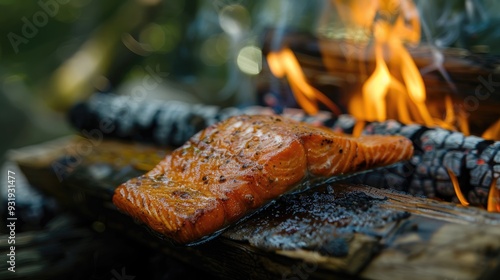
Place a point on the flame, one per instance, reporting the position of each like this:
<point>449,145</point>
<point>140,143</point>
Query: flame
<point>409,89</point>
<point>375,89</point>
<point>456,187</point>
<point>494,197</point>
<point>393,24</point>
<point>493,203</point>
<point>493,132</point>
<point>395,87</point>
<point>360,13</point>
<point>284,64</point>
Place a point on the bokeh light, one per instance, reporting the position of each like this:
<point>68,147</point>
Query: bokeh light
<point>153,35</point>
<point>250,60</point>
<point>172,35</point>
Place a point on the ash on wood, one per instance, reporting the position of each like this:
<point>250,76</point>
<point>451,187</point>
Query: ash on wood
<point>341,230</point>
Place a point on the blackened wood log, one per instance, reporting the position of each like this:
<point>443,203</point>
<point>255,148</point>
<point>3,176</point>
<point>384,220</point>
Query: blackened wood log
<point>475,161</point>
<point>340,231</point>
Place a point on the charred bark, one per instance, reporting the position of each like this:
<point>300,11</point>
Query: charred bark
<point>474,160</point>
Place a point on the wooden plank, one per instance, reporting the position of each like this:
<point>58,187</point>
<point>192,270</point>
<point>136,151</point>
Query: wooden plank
<point>450,252</point>
<point>340,230</point>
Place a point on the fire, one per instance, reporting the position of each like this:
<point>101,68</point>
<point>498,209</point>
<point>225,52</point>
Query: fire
<point>395,88</point>
<point>284,64</point>
<point>402,79</point>
<point>394,24</point>
<point>493,132</point>
<point>456,187</point>
<point>494,197</point>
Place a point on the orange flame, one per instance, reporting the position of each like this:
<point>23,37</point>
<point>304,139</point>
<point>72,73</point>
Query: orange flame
<point>395,88</point>
<point>493,132</point>
<point>456,187</point>
<point>494,197</point>
<point>390,38</point>
<point>284,64</point>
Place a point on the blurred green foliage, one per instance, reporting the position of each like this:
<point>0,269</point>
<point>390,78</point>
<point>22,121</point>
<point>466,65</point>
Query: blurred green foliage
<point>54,53</point>
<point>38,37</point>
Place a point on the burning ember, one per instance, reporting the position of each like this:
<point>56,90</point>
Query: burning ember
<point>394,89</point>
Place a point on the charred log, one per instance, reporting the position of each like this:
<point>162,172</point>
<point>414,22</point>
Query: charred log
<point>475,162</point>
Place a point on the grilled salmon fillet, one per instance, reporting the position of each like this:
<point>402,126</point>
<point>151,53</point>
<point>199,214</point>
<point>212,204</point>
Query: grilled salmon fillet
<point>240,164</point>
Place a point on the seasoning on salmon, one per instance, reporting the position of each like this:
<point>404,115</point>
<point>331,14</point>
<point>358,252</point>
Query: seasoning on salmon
<point>238,165</point>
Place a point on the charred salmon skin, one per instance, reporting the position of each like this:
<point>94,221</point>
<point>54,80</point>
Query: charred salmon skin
<point>238,165</point>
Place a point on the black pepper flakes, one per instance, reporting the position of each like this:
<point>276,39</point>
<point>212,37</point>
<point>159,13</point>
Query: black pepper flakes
<point>222,179</point>
<point>181,194</point>
<point>249,198</point>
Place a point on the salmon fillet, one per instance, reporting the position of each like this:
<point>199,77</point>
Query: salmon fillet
<point>236,166</point>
